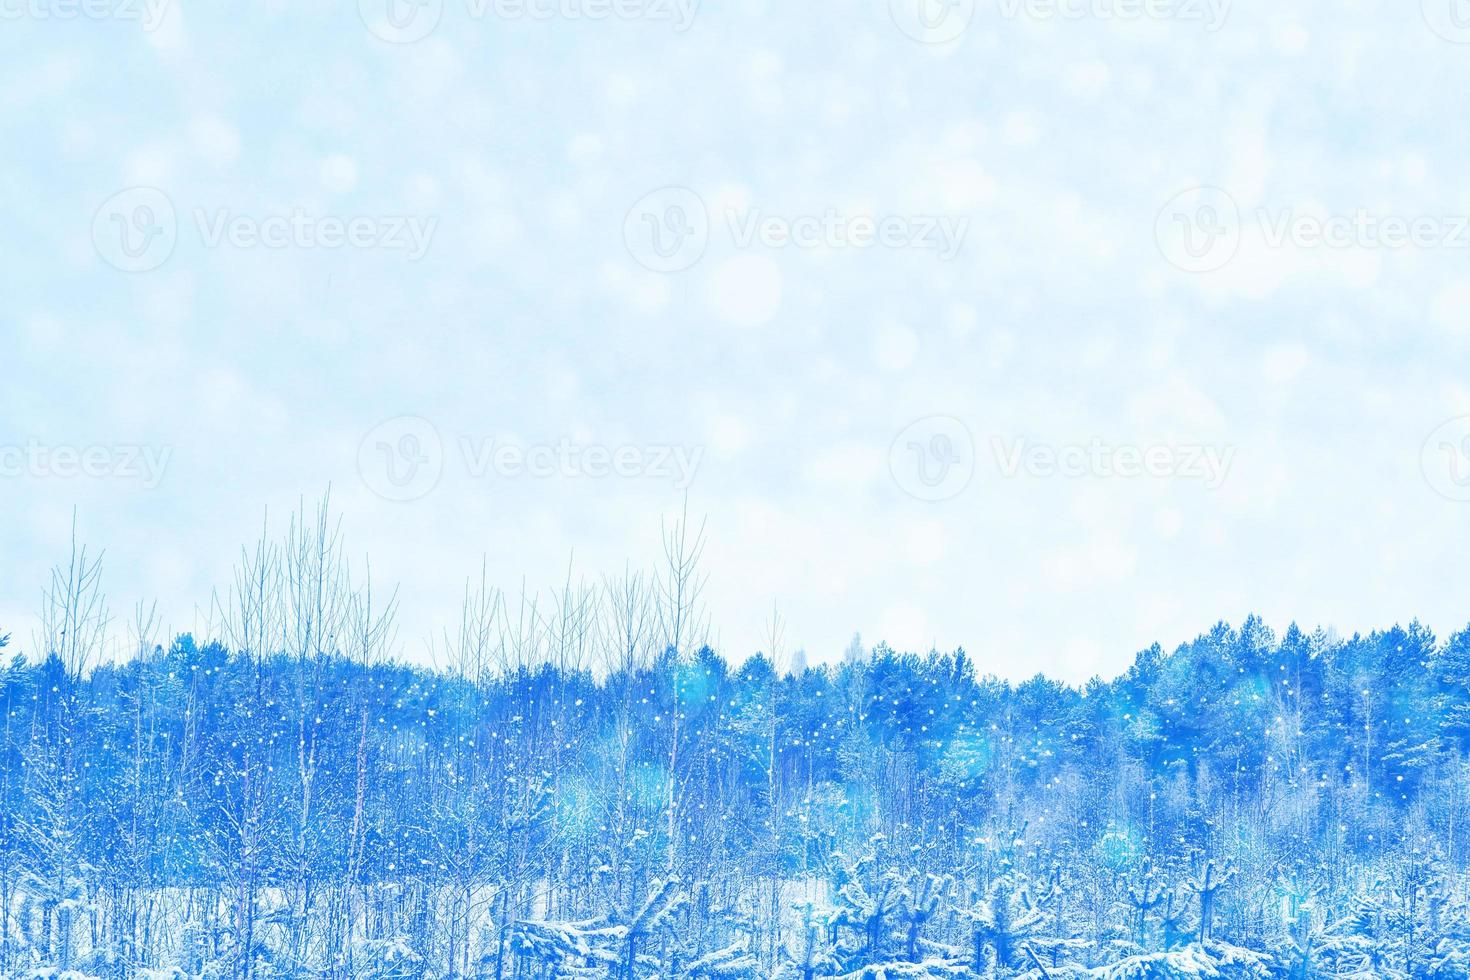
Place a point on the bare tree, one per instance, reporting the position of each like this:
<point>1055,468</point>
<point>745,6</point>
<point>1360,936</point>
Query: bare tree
<point>472,650</point>
<point>74,615</point>
<point>251,618</point>
<point>684,625</point>
<point>74,620</point>
<point>316,581</point>
<point>775,635</point>
<point>626,640</point>
<point>253,623</point>
<point>627,631</point>
<point>574,627</point>
<point>682,616</point>
<point>522,641</point>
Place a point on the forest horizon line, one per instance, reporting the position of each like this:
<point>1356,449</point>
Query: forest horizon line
<point>1323,639</point>
<point>636,611</point>
<point>583,787</point>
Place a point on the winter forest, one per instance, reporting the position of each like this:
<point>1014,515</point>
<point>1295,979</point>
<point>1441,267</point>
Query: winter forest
<point>582,786</point>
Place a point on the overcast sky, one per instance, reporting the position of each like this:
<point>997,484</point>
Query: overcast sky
<point>1045,330</point>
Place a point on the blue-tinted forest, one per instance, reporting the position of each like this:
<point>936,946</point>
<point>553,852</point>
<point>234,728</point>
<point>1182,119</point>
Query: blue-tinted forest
<point>583,788</point>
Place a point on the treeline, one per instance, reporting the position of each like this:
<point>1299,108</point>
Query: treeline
<point>585,788</point>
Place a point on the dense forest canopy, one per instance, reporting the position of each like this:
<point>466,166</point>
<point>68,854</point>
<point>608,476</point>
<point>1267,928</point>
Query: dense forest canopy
<point>586,788</point>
